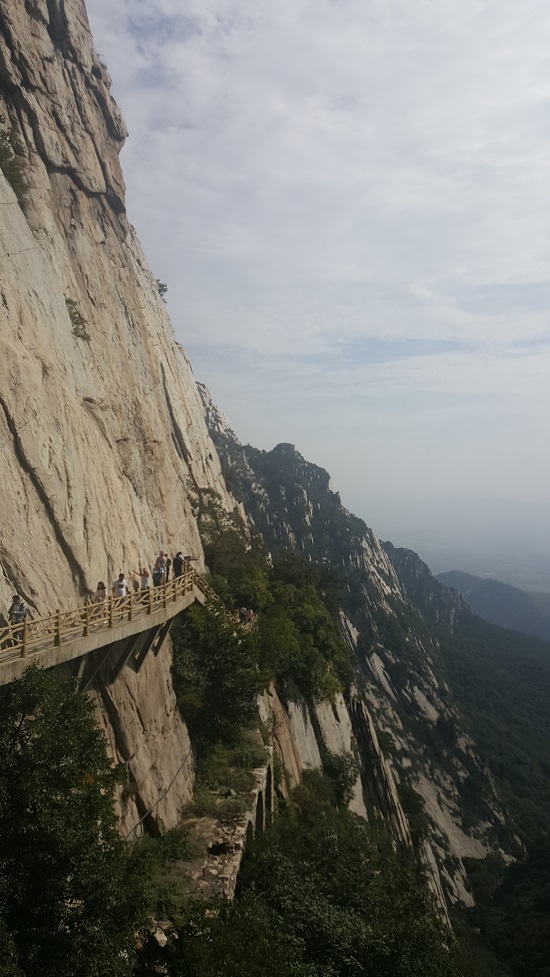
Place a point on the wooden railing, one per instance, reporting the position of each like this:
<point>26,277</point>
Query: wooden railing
<point>32,637</point>
<point>232,617</point>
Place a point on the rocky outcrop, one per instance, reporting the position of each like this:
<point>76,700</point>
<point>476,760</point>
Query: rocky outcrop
<point>219,845</point>
<point>303,734</point>
<point>145,733</point>
<point>104,444</point>
<point>405,721</point>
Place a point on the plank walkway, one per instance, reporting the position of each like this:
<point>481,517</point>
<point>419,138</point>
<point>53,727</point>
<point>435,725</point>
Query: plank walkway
<point>70,634</point>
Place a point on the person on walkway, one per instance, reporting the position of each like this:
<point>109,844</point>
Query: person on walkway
<point>18,610</point>
<point>167,565</point>
<point>144,581</point>
<point>242,615</point>
<point>120,586</point>
<point>100,599</point>
<point>101,593</point>
<point>158,574</point>
<point>178,564</point>
<point>17,614</point>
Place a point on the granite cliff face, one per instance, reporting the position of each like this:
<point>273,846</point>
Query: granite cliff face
<point>104,445</point>
<point>102,433</point>
<point>103,442</point>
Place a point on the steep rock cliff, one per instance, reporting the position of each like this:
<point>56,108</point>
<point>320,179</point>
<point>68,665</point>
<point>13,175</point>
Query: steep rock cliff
<point>387,611</point>
<point>103,442</point>
<point>102,433</point>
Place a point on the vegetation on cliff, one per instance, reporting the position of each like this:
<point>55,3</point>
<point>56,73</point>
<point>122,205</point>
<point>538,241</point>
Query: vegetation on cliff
<point>514,916</point>
<point>481,684</point>
<point>71,894</point>
<point>219,671</point>
<point>322,894</point>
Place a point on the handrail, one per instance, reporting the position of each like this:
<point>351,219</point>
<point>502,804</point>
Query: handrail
<point>41,634</point>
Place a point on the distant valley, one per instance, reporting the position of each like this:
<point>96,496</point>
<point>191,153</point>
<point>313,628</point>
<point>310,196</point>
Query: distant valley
<point>499,603</point>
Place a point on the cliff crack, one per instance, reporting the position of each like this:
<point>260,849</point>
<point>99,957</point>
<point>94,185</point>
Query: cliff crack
<point>177,434</point>
<point>76,569</point>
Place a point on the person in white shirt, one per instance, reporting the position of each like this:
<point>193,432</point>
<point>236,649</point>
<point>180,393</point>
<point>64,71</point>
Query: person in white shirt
<point>120,586</point>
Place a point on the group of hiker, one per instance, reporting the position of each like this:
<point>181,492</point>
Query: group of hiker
<point>160,574</point>
<point>120,588</point>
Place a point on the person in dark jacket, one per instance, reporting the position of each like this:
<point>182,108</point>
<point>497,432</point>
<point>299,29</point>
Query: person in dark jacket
<point>17,614</point>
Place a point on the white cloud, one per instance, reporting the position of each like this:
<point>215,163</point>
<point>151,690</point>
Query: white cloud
<point>325,186</point>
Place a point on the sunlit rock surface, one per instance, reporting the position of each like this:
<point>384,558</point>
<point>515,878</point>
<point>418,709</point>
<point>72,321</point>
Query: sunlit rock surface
<point>104,445</point>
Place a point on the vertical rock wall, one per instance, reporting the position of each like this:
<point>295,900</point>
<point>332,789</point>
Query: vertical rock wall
<point>102,436</point>
<point>103,444</point>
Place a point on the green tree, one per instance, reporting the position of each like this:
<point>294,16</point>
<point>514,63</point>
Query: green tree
<point>329,896</point>
<point>247,939</point>
<point>216,674</point>
<point>70,894</point>
<point>355,905</point>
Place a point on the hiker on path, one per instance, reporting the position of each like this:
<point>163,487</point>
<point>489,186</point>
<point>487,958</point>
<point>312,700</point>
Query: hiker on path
<point>178,564</point>
<point>101,593</point>
<point>167,564</point>
<point>120,586</point>
<point>158,573</point>
<point>17,611</point>
<point>144,581</point>
<point>100,599</point>
<point>17,614</point>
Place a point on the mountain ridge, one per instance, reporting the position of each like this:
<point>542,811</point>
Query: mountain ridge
<point>501,603</point>
<point>398,617</point>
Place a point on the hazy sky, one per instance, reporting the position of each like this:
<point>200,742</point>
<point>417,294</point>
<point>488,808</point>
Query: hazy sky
<point>350,203</point>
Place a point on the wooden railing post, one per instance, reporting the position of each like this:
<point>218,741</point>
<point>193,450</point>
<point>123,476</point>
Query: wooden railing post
<point>57,638</point>
<point>111,601</point>
<point>87,619</point>
<point>164,597</point>
<point>24,641</point>
<point>149,599</point>
<point>130,599</point>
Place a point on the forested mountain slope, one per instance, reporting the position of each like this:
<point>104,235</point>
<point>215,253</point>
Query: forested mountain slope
<point>502,604</point>
<point>458,703</point>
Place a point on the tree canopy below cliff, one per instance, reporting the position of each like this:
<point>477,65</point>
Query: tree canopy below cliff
<point>322,894</point>
<point>71,895</point>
